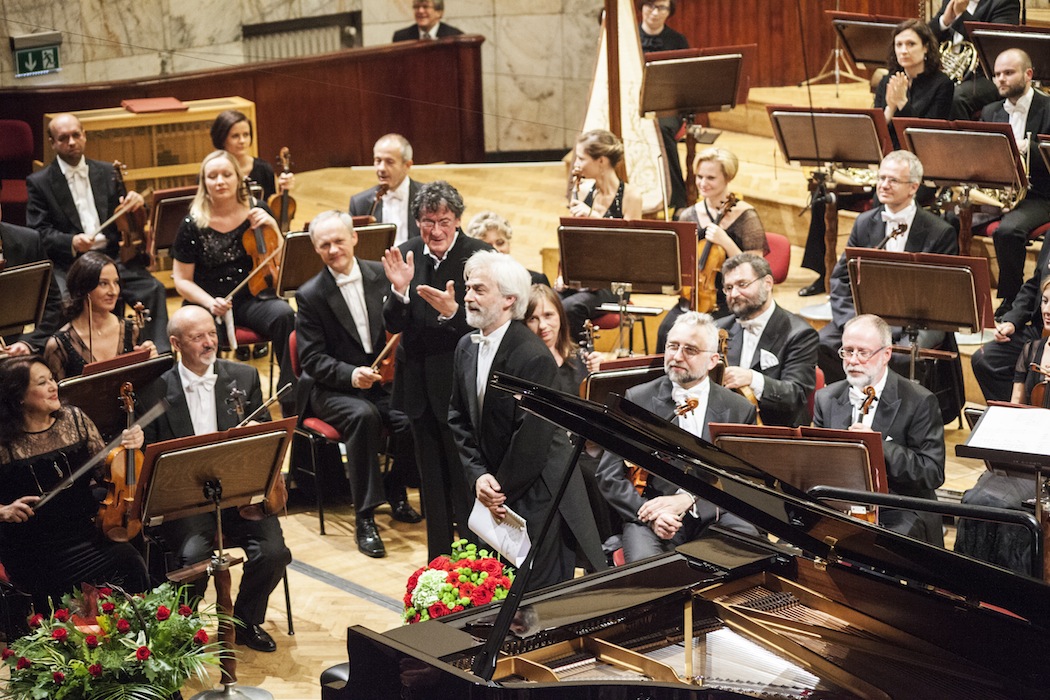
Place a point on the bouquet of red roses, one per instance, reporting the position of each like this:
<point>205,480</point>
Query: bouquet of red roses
<point>468,577</point>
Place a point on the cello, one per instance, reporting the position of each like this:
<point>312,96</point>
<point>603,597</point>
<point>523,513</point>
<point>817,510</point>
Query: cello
<point>282,204</point>
<point>114,514</point>
<point>709,263</point>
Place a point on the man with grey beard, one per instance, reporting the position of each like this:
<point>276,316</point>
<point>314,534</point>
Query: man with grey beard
<point>770,351</point>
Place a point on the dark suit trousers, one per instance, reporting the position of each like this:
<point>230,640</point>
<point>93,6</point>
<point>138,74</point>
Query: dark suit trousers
<point>274,319</point>
<point>971,96</point>
<point>360,418</point>
<point>262,540</point>
<point>1011,239</point>
<point>446,498</point>
<point>993,364</point>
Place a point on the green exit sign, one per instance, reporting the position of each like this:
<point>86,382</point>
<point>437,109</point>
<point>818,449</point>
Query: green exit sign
<point>36,61</point>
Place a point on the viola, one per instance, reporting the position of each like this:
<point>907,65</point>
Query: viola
<point>277,498</point>
<point>709,264</point>
<point>384,362</point>
<point>135,238</point>
<point>869,399</point>
<point>114,514</point>
<point>262,244</point>
<point>281,204</point>
<point>381,189</point>
<point>590,334</point>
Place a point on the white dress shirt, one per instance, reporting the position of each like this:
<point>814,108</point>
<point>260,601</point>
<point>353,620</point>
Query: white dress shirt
<point>857,397</point>
<point>1018,113</point>
<point>200,399</point>
<point>488,345</point>
<point>83,197</point>
<point>752,331</point>
<point>395,211</point>
<point>352,288</point>
<point>893,219</point>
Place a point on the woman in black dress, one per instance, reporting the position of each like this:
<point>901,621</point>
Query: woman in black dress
<point>50,551</point>
<point>915,85</point>
<point>232,132</point>
<point>210,260</point>
<point>93,332</point>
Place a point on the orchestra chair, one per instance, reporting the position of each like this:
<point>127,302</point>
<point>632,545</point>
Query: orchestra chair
<point>779,255</point>
<point>819,385</point>
<point>246,336</point>
<point>16,163</point>
<point>317,434</point>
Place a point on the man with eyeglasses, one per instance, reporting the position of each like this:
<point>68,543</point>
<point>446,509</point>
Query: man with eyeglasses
<point>770,350</point>
<point>897,224</point>
<point>657,515</point>
<point>906,414</point>
<point>428,14</point>
<point>427,308</point>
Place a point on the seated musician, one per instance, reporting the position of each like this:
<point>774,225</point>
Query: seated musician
<point>50,551</point>
<point>1027,111</point>
<point>493,229</point>
<point>770,350</point>
<point>340,334</point>
<point>1035,352</point>
<point>733,229</point>
<point>511,458</point>
<point>597,154</point>
<point>897,224</point>
<point>390,201</point>
<point>210,260</point>
<point>428,24</point>
<point>232,132</point>
<point>906,414</point>
<point>64,208</point>
<point>20,246</point>
<point>201,389</point>
<point>656,515</point>
<point>93,332</point>
<point>545,317</point>
<point>915,85</point>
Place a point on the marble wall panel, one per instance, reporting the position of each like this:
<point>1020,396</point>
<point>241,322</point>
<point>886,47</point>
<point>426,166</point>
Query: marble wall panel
<point>29,17</point>
<point>314,8</point>
<point>255,11</point>
<point>115,28</point>
<point>218,56</point>
<point>195,24</point>
<point>123,68</point>
<point>529,113</point>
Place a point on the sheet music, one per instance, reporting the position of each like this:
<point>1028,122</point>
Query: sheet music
<point>509,536</point>
<point>1013,430</point>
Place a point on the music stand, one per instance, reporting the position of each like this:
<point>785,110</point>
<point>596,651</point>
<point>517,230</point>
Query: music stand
<point>623,258</point>
<point>920,291</point>
<point>992,39</point>
<point>373,240</point>
<point>84,392</point>
<point>967,154</point>
<point>836,65</point>
<point>170,207</point>
<point>208,473</point>
<point>124,360</point>
<point>299,262</point>
<point>24,291</point>
<point>865,37</point>
<point>830,139</point>
<point>686,82</point>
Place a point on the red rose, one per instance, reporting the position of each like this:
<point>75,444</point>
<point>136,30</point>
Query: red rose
<point>91,641</point>
<point>36,620</point>
<point>108,607</point>
<point>480,596</point>
<point>415,619</point>
<point>185,610</point>
<point>408,600</point>
<point>123,626</point>
<point>23,663</point>
<point>163,613</point>
<point>492,567</point>
<point>61,614</point>
<point>142,653</point>
<point>443,563</point>
<point>59,677</point>
<point>201,637</point>
<point>414,579</point>
<point>95,670</point>
<point>438,609</point>
<point>60,633</point>
<point>105,592</point>
<point>6,654</point>
<point>458,608</point>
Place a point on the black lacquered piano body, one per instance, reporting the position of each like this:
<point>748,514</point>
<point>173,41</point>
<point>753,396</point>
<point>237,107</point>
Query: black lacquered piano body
<point>837,608</point>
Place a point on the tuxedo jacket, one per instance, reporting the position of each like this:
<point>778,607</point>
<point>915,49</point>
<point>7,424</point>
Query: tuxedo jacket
<point>424,356</point>
<point>787,356</point>
<point>329,345</point>
<point>723,406</point>
<point>1038,122</point>
<point>909,419</point>
<point>53,213</point>
<point>176,421</point>
<point>1000,11</point>
<point>21,246</point>
<point>412,33</point>
<point>928,234</point>
<point>361,205</point>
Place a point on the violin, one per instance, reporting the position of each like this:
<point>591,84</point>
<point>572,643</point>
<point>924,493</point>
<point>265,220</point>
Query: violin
<point>381,189</point>
<point>869,399</point>
<point>282,205</point>
<point>114,514</point>
<point>709,264</point>
<point>262,244</point>
<point>1040,396</point>
<point>384,362</point>
<point>691,402</point>
<point>277,498</point>
<point>745,391</point>
<point>589,335</point>
<point>574,188</point>
<point>135,240</point>
<point>898,230</point>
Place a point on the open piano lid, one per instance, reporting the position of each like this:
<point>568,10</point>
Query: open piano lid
<point>695,465</point>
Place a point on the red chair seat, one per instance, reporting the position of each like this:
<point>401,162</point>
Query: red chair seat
<point>992,227</point>
<point>246,336</point>
<point>316,425</point>
<point>608,321</point>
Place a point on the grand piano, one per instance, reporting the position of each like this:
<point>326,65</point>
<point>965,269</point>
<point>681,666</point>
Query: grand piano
<point>825,606</point>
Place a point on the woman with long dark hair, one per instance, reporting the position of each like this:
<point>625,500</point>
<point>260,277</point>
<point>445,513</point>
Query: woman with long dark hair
<point>232,132</point>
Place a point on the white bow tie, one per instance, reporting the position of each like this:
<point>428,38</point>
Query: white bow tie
<point>392,195</point>
<point>751,326</point>
<point>890,218</point>
<point>205,383</point>
<point>681,397</point>
<point>479,339</point>
<point>343,280</point>
<point>1011,108</point>
<point>79,171</point>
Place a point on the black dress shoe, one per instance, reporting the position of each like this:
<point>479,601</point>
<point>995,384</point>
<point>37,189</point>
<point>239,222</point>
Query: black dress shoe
<point>813,289</point>
<point>368,540</point>
<point>260,350</point>
<point>403,512</point>
<point>255,637</point>
<point>242,353</point>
